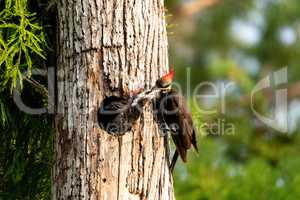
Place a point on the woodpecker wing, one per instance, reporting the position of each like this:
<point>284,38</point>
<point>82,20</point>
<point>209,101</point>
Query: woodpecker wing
<point>179,120</point>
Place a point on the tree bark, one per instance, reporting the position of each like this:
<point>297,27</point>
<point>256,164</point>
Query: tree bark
<point>108,47</point>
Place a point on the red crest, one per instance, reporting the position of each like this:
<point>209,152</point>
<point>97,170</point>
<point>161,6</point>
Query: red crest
<point>169,76</point>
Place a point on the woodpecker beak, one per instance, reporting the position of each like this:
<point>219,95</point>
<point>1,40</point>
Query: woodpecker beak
<point>162,85</point>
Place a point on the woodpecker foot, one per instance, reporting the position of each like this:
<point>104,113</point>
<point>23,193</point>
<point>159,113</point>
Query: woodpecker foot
<point>174,159</point>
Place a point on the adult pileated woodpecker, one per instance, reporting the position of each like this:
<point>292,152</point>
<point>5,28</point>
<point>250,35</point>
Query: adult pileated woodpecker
<point>172,110</point>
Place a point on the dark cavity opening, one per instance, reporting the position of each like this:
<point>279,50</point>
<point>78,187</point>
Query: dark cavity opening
<point>114,115</point>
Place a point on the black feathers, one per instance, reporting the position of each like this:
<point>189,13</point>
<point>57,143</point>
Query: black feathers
<point>174,112</point>
<point>116,115</point>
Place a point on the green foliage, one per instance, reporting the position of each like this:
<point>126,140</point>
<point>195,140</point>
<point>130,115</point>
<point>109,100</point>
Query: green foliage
<point>21,38</point>
<point>25,156</point>
<point>214,175</point>
<point>26,140</point>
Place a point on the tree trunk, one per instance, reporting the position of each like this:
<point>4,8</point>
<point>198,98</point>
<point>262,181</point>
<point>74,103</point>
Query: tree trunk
<point>108,47</point>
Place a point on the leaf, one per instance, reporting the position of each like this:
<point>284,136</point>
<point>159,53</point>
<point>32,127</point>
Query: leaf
<point>9,26</point>
<point>3,113</point>
<point>24,38</point>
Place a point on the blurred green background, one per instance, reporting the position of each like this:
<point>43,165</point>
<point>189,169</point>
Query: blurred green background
<point>238,42</point>
<point>215,41</point>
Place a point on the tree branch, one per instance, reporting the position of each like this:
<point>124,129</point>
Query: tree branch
<point>39,87</point>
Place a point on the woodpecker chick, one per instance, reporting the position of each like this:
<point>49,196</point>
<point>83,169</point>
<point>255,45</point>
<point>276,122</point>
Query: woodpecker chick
<point>117,115</point>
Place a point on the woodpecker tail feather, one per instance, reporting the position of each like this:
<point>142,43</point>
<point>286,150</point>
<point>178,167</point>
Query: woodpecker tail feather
<point>194,142</point>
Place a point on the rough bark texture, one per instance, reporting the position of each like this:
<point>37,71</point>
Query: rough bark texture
<point>108,47</point>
